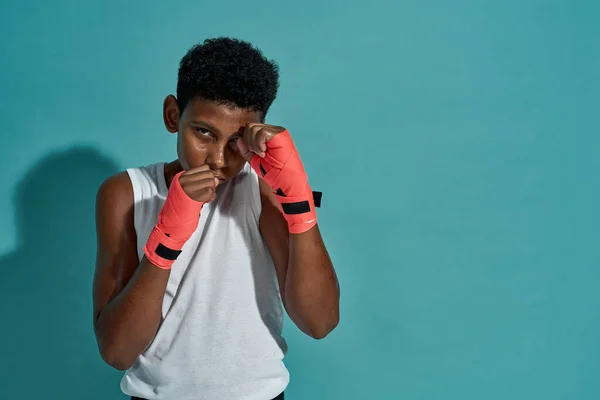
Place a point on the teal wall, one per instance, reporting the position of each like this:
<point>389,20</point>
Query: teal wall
<point>456,144</point>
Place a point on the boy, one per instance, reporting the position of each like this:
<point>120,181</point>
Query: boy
<point>196,256</point>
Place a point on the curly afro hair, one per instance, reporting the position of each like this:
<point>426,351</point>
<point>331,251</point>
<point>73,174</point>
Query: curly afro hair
<point>228,71</point>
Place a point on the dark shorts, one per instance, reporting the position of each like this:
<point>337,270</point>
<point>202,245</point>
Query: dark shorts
<point>280,397</point>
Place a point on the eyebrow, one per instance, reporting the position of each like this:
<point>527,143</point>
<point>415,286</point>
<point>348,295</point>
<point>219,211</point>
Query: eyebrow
<point>212,128</point>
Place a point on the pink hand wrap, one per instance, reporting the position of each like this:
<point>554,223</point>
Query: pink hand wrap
<point>177,221</point>
<point>282,169</point>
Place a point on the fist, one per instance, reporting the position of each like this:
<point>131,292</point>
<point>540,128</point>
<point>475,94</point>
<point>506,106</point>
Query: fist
<point>199,184</point>
<point>255,138</point>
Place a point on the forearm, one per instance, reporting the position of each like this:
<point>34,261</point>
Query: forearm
<point>306,276</point>
<point>128,323</point>
<point>311,286</point>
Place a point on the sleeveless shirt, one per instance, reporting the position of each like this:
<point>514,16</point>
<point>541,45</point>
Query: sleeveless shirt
<point>222,317</point>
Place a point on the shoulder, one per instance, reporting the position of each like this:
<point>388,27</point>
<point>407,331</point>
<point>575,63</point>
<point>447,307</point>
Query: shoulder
<point>114,206</point>
<point>115,191</point>
<point>115,228</point>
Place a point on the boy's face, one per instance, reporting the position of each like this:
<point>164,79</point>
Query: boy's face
<point>207,134</point>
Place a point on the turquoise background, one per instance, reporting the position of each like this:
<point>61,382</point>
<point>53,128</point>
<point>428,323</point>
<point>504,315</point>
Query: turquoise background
<point>456,144</point>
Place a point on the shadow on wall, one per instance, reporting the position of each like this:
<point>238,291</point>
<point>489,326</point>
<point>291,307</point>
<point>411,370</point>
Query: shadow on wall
<point>48,348</point>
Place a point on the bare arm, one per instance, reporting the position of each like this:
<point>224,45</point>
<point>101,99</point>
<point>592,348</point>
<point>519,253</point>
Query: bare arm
<point>127,294</point>
<point>307,280</point>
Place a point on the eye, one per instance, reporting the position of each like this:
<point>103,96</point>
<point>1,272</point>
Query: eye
<point>202,131</point>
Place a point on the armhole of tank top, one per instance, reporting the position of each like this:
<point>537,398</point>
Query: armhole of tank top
<point>134,178</point>
<point>161,179</point>
<point>256,201</point>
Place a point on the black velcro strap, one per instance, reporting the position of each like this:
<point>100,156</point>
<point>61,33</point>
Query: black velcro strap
<point>317,198</point>
<point>300,207</point>
<point>262,169</point>
<point>167,253</point>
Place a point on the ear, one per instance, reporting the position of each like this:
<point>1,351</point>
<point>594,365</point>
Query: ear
<point>171,114</point>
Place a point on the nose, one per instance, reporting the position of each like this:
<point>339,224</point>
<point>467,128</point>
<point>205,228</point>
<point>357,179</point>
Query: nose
<point>217,157</point>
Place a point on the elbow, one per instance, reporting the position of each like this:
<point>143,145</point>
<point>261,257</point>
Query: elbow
<point>116,361</point>
<point>111,348</point>
<point>114,357</point>
<point>321,331</point>
<point>319,335</point>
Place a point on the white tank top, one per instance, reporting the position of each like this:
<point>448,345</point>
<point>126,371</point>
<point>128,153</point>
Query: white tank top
<point>220,335</point>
